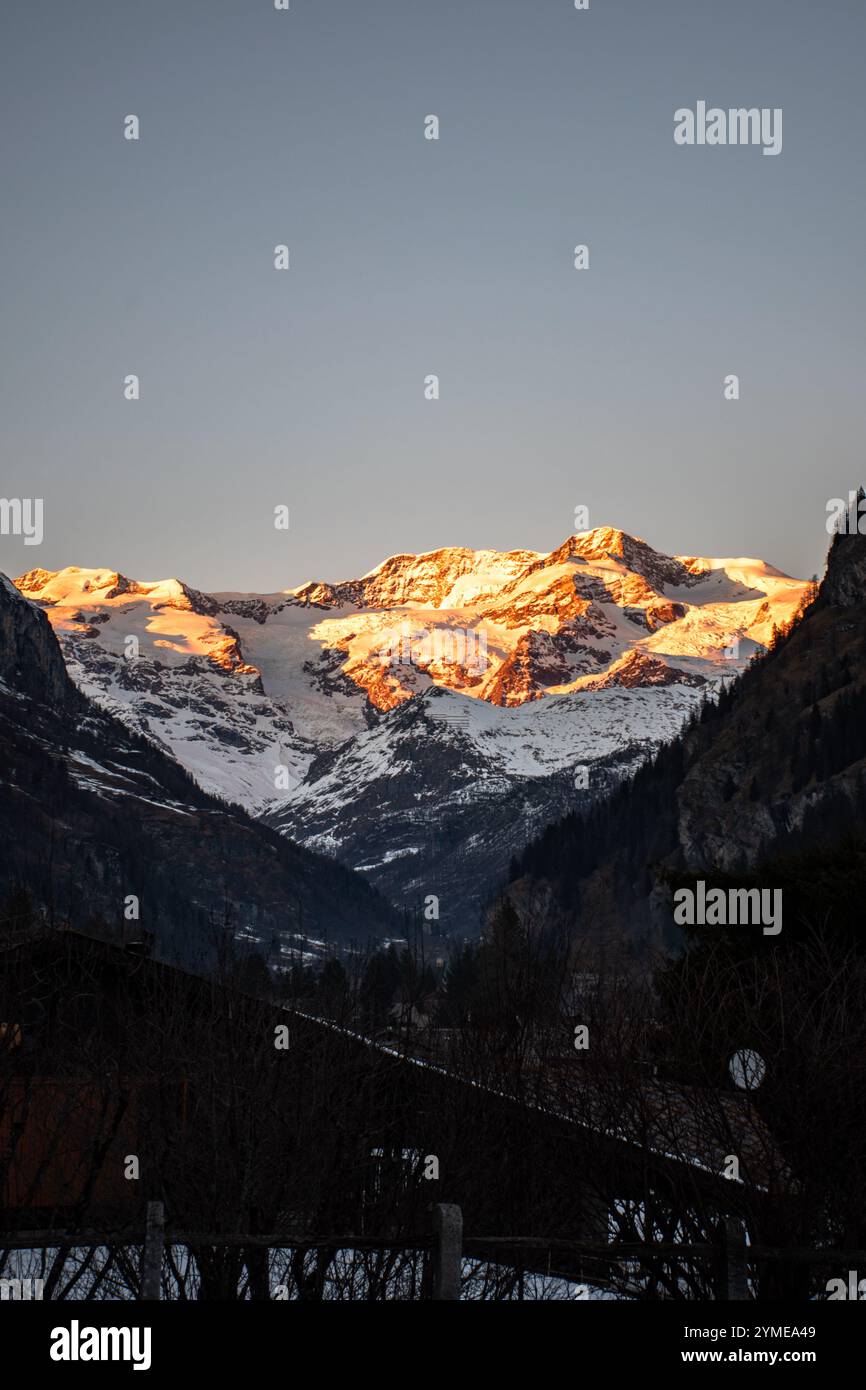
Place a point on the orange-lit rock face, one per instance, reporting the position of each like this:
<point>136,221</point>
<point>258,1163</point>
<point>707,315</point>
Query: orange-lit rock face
<point>177,620</point>
<point>603,609</point>
<point>657,614</point>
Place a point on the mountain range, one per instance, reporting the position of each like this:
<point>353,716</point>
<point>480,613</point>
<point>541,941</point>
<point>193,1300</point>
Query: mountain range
<point>103,831</point>
<point>422,723</point>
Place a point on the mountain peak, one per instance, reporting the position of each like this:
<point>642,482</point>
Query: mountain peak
<point>450,577</point>
<point>604,540</point>
<point>49,584</point>
<point>76,585</point>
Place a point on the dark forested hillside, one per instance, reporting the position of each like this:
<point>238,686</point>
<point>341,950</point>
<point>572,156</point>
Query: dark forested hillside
<point>772,771</point>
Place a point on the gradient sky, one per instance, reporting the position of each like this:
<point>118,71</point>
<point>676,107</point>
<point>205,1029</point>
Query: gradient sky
<point>411,257</point>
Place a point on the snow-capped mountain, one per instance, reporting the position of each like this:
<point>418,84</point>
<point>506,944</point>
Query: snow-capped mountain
<point>91,813</point>
<point>423,721</point>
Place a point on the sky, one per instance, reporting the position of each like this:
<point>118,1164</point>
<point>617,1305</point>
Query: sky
<point>305,388</point>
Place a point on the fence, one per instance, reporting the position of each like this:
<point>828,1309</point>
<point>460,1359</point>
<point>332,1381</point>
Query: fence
<point>729,1257</point>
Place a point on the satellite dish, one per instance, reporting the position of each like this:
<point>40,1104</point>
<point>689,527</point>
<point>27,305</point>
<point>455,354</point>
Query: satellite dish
<point>747,1069</point>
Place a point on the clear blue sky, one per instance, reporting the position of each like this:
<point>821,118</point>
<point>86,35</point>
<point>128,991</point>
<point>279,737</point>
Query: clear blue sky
<point>412,257</point>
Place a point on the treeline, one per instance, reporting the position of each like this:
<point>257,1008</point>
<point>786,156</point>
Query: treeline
<point>509,973</point>
<point>638,821</point>
<point>832,741</point>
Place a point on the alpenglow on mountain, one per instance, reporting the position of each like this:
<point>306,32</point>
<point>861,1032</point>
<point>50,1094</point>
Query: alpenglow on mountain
<point>423,722</point>
<point>94,819</point>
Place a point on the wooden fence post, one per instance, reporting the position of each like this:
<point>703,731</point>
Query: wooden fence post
<point>733,1276</point>
<point>151,1255</point>
<point>447,1251</point>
